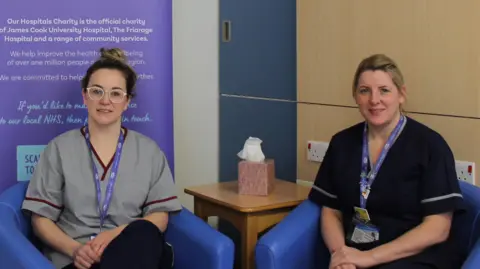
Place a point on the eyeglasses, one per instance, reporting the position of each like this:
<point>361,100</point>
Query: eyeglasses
<point>96,93</point>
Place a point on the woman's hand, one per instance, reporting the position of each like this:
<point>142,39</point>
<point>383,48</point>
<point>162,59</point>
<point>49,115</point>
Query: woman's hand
<point>84,256</point>
<point>101,241</point>
<point>350,256</point>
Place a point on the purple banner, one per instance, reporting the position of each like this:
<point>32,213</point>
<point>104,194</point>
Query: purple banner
<point>45,50</point>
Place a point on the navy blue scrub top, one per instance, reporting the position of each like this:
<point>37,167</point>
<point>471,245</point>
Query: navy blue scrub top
<point>417,179</point>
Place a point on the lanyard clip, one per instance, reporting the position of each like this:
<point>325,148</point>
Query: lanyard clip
<point>366,192</point>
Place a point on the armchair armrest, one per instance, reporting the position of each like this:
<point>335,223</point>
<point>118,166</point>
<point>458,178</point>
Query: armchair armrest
<point>473,259</point>
<point>197,245</point>
<point>16,250</point>
<point>295,242</point>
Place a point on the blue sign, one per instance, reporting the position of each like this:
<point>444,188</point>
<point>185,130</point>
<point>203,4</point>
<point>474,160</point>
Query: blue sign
<point>27,159</point>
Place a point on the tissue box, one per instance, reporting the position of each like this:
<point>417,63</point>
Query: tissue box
<point>256,178</point>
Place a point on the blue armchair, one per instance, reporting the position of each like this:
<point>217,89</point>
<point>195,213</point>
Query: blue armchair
<point>196,244</point>
<point>296,241</point>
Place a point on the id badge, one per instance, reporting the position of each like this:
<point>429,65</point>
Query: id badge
<point>362,214</point>
<point>363,233</point>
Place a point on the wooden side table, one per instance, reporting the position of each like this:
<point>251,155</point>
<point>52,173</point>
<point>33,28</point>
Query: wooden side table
<point>251,215</point>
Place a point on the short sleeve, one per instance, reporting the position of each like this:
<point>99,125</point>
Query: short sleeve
<point>440,188</point>
<point>44,194</point>
<point>161,196</point>
<point>323,192</point>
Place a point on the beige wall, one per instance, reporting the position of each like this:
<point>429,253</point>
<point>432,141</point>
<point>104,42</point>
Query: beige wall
<point>195,94</point>
<point>436,43</point>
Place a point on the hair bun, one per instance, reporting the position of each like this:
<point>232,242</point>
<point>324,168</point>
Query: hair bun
<point>115,54</point>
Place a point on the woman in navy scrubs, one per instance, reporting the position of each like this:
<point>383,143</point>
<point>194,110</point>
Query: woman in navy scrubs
<point>387,185</point>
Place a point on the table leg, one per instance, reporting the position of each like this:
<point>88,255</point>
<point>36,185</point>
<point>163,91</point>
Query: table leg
<point>198,210</point>
<point>249,240</point>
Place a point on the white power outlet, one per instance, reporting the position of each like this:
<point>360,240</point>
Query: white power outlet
<point>316,150</point>
<point>465,171</point>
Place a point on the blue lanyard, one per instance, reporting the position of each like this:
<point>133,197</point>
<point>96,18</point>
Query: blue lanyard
<point>364,184</point>
<point>111,182</point>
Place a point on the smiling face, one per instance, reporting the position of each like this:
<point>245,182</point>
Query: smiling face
<point>378,98</point>
<point>379,90</point>
<point>113,84</point>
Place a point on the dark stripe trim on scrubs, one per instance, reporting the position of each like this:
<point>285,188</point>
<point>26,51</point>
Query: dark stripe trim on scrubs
<point>45,202</point>
<point>159,201</point>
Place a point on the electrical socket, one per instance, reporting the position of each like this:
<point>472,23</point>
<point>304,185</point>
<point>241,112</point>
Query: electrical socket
<point>465,171</point>
<point>316,150</point>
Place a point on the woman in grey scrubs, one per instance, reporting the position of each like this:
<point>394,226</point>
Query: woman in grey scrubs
<point>100,195</point>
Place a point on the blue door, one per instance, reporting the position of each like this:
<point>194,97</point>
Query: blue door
<point>258,82</point>
<point>257,86</point>
<point>258,48</point>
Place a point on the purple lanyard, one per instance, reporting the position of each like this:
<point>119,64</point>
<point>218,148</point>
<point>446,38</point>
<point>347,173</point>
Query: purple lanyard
<point>111,182</point>
<point>364,184</point>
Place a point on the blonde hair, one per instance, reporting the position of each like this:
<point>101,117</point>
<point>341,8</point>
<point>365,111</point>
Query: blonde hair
<point>114,54</point>
<point>379,62</point>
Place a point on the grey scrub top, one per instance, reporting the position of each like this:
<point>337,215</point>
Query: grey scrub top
<point>62,187</point>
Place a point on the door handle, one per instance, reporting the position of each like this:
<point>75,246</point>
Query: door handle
<point>226,31</point>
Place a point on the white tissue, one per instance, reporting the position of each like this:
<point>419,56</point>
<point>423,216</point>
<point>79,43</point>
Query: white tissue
<point>252,151</point>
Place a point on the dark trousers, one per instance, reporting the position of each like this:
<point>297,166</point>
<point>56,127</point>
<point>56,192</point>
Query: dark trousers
<point>140,245</point>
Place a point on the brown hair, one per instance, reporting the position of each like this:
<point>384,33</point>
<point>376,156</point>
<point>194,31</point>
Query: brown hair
<point>379,62</point>
<point>116,59</point>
